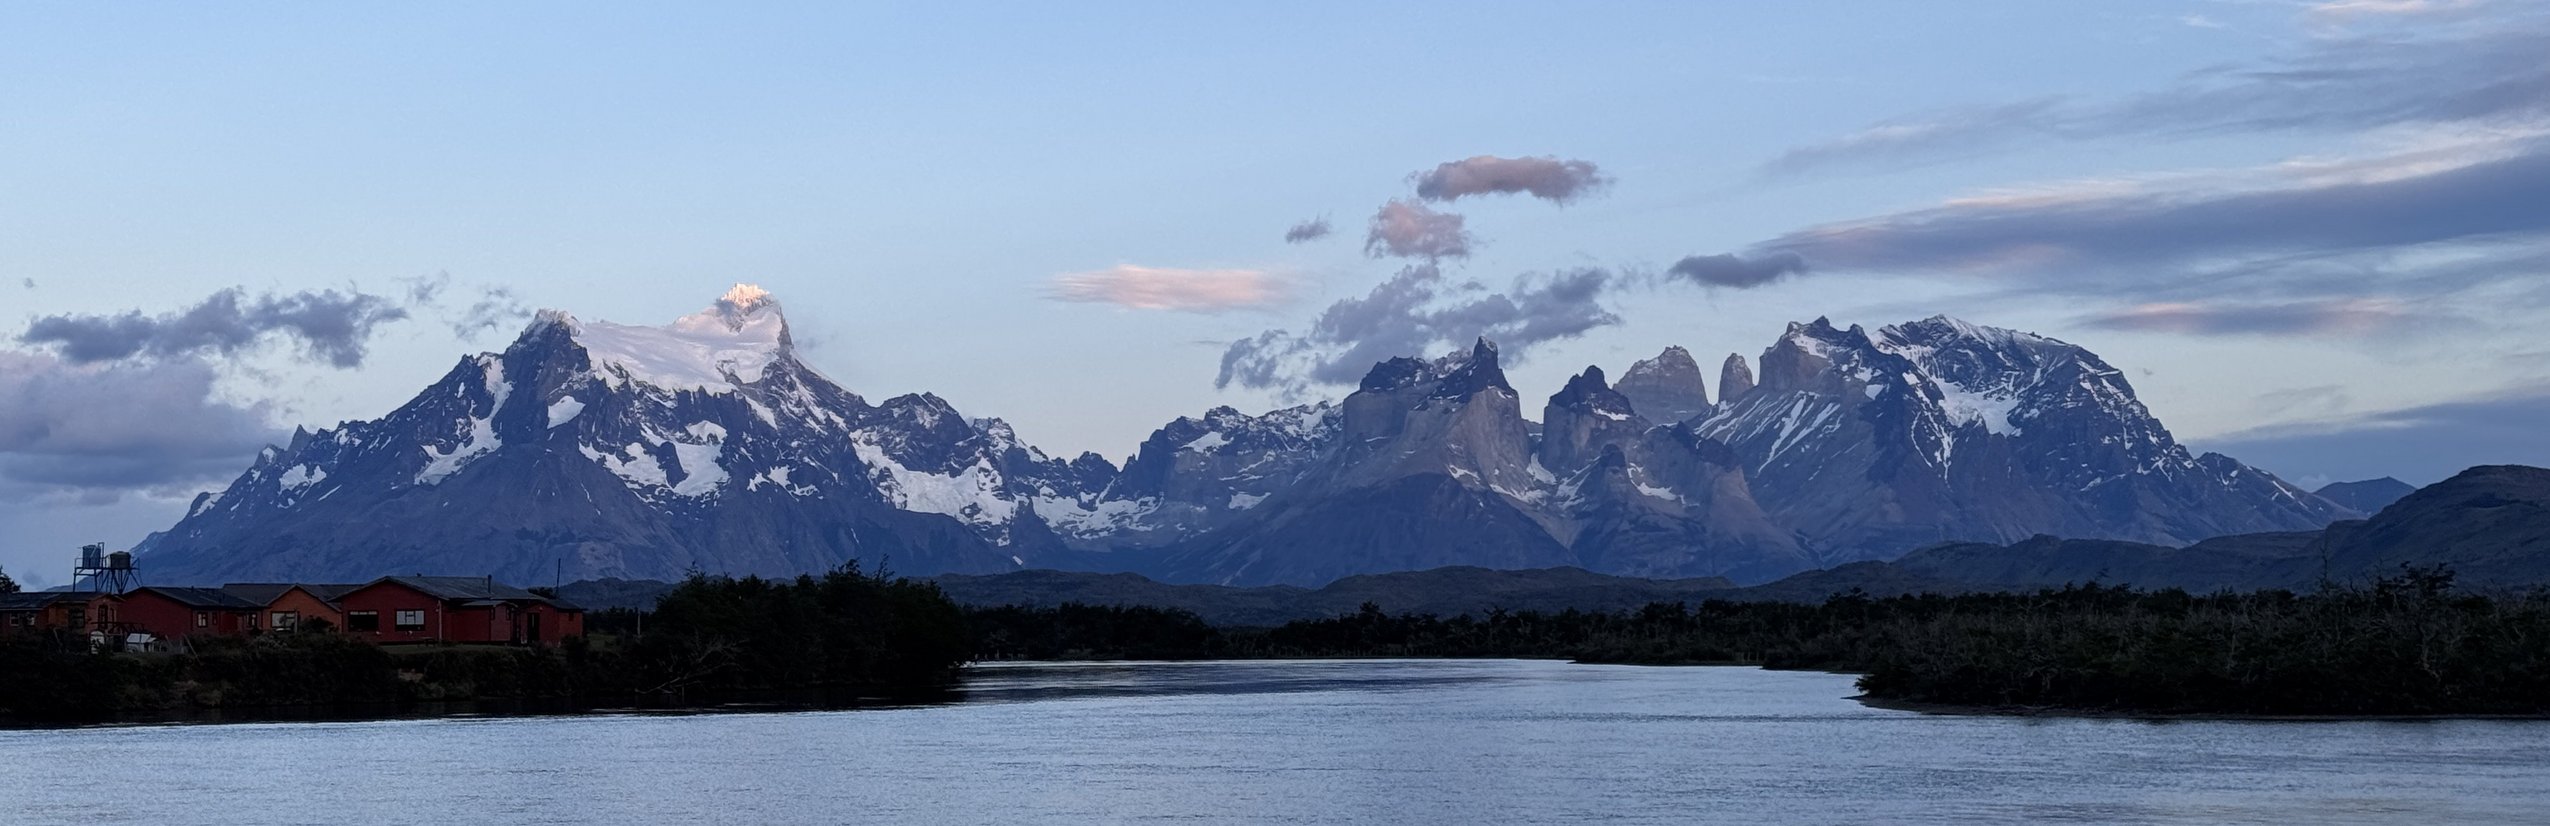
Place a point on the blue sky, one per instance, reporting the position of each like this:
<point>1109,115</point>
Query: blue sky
<point>2252,207</point>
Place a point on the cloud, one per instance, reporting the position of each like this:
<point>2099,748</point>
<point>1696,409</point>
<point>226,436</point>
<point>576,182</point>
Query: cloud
<point>2421,444</point>
<point>329,325</point>
<point>2488,73</point>
<point>1736,271</point>
<point>489,307</point>
<point>2332,317</point>
<point>1169,288</point>
<point>29,283</point>
<point>1914,138</point>
<point>1408,229</point>
<point>2122,238</point>
<point>109,427</point>
<point>2324,398</point>
<point>2350,9</point>
<point>1419,311</point>
<point>1547,178</point>
<point>494,309</point>
<point>1311,230</point>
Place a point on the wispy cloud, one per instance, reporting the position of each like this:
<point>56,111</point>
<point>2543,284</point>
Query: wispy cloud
<point>2330,317</point>
<point>486,308</point>
<point>335,327</point>
<point>2308,241</point>
<point>1407,229</point>
<point>1923,137</point>
<point>2421,444</point>
<point>2484,72</point>
<point>1172,288</point>
<point>1548,178</point>
<point>1420,311</point>
<point>1311,230</point>
<point>1729,270</point>
<point>2351,9</point>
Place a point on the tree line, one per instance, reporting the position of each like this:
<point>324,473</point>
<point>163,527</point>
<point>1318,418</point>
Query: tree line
<point>845,636</point>
<point>2404,645</point>
<point>2408,644</point>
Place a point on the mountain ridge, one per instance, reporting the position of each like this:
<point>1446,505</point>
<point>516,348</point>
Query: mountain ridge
<point>599,449</point>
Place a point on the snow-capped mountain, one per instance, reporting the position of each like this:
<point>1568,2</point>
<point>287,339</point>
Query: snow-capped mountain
<point>1435,465</point>
<point>1869,445</point>
<point>589,449</point>
<point>1198,473</point>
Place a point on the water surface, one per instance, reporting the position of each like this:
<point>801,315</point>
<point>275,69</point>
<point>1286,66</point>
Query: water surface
<point>1296,742</point>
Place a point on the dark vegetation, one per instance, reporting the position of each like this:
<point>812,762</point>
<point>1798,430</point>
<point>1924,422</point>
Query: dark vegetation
<point>842,637</point>
<point>2405,645</point>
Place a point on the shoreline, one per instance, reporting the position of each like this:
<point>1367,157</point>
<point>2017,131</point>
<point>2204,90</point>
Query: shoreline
<point>2062,712</point>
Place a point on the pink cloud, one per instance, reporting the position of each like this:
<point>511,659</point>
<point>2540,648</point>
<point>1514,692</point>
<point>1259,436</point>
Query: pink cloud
<point>1173,288</point>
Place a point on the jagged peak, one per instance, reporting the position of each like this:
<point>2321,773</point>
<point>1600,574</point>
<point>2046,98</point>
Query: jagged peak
<point>1474,374</point>
<point>1455,375</point>
<point>1584,388</point>
<point>1941,329</point>
<point>1673,354</point>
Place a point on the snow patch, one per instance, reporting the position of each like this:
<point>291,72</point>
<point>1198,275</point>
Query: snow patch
<point>632,464</point>
<point>971,495</point>
<point>1968,407</point>
<point>300,476</point>
<point>701,474</point>
<point>1207,442</point>
<point>711,351</point>
<point>481,439</point>
<point>1069,516</point>
<point>564,410</point>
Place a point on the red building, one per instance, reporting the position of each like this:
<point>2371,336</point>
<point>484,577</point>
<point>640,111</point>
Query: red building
<point>288,605</point>
<point>72,611</point>
<point>456,609</point>
<point>178,613</point>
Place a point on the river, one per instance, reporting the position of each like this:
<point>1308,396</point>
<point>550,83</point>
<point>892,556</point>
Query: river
<point>1390,742</point>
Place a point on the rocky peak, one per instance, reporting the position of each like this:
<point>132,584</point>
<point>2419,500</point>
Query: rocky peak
<point>1583,419</point>
<point>1457,375</point>
<point>1468,376</point>
<point>1587,391</point>
<point>1807,357</point>
<point>1667,388</point>
<point>1735,379</point>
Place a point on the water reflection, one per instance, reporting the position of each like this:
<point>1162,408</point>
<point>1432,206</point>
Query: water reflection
<point>1297,742</point>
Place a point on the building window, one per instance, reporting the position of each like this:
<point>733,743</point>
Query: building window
<point>367,621</point>
<point>286,620</point>
<point>411,620</point>
<point>203,619</point>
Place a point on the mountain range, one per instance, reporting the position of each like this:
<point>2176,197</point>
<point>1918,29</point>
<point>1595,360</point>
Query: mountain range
<point>2490,526</point>
<point>588,449</point>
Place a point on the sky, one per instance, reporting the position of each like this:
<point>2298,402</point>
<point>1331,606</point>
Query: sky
<point>2312,233</point>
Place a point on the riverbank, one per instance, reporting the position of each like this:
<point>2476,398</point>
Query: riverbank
<point>2060,712</point>
<point>1366,741</point>
<point>2408,646</point>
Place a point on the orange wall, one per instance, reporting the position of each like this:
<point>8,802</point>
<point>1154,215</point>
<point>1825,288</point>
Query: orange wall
<point>309,607</point>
